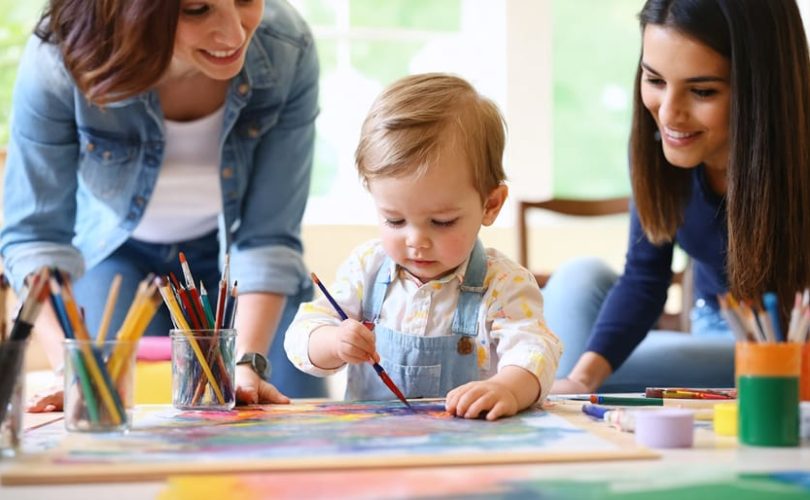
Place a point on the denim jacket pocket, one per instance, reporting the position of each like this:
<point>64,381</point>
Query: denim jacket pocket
<point>104,163</point>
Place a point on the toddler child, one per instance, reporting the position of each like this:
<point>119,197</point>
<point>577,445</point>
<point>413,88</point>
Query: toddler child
<point>447,317</point>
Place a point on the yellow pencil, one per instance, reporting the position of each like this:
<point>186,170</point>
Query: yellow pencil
<point>174,309</point>
<point>112,297</point>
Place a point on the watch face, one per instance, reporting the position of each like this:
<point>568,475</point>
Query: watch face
<point>257,362</point>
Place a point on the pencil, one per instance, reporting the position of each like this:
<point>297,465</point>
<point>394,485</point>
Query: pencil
<point>379,369</point>
<point>112,297</point>
<point>644,401</point>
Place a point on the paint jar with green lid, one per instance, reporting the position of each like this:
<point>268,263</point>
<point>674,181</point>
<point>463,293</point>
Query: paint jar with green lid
<point>767,377</point>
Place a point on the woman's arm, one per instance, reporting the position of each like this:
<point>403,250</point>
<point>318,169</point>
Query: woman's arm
<point>630,310</point>
<point>266,249</point>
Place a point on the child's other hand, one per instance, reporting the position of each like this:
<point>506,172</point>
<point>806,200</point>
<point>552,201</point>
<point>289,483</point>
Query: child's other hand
<point>355,343</point>
<point>473,399</point>
<point>46,401</point>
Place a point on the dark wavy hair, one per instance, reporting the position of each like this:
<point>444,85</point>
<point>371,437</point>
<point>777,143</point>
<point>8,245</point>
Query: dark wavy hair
<point>114,49</point>
<point>768,174</point>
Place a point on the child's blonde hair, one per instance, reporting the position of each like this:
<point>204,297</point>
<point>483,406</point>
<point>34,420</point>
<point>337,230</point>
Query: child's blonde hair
<point>414,115</point>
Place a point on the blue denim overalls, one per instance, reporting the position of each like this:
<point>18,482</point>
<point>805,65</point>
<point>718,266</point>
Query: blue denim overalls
<point>422,367</point>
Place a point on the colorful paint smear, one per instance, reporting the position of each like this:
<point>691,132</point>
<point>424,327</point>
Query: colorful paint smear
<point>505,482</point>
<point>314,435</point>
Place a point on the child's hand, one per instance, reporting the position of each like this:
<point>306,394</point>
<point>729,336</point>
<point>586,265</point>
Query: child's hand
<point>474,399</point>
<point>355,343</point>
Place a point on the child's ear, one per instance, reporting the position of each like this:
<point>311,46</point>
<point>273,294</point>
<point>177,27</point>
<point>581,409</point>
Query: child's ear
<point>494,203</point>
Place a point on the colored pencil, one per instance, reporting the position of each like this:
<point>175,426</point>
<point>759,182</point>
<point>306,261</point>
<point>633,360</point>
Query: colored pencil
<point>379,369</point>
<point>644,401</point>
<point>109,306</point>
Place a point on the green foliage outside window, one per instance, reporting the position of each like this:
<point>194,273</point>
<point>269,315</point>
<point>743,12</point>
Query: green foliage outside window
<point>16,25</point>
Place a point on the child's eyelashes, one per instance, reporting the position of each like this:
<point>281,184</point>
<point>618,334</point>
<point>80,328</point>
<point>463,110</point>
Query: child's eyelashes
<point>444,223</point>
<point>434,222</point>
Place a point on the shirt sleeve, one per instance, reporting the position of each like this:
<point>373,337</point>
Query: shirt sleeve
<point>266,252</point>
<point>39,204</point>
<point>637,299</point>
<point>514,313</point>
<point>348,290</point>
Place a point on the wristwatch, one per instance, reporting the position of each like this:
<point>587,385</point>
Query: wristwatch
<point>258,363</point>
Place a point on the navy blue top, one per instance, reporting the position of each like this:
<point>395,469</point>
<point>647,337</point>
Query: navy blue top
<point>636,301</point>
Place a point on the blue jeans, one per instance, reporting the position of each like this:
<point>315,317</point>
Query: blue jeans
<point>573,298</point>
<point>135,259</point>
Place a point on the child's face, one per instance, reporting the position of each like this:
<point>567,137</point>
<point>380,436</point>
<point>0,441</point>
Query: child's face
<point>429,224</point>
<point>213,35</point>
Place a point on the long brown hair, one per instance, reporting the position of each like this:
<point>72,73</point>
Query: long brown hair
<point>114,49</point>
<point>768,174</point>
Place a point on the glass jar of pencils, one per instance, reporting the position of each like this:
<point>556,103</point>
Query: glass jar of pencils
<point>203,366</point>
<point>99,385</point>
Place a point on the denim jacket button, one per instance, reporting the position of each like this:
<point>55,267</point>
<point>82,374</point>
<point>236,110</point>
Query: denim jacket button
<point>139,201</point>
<point>227,173</point>
<point>253,132</point>
<point>90,147</point>
<point>106,155</point>
<point>243,88</point>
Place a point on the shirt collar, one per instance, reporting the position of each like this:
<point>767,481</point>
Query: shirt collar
<point>458,274</point>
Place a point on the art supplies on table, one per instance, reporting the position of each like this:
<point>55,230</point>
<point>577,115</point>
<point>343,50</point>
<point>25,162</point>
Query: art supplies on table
<point>188,373</point>
<point>11,423</point>
<point>12,357</point>
<point>377,368</point>
<point>645,401</point>
<point>768,392</point>
<point>99,374</point>
<point>203,341</point>
<point>689,393</point>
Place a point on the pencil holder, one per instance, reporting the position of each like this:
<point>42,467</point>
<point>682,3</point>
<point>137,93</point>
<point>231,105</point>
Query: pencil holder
<point>767,377</point>
<point>12,391</point>
<point>99,385</point>
<point>203,366</point>
<point>804,379</point>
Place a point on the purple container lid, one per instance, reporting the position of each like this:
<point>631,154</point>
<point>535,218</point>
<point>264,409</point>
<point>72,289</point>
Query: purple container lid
<point>665,428</point>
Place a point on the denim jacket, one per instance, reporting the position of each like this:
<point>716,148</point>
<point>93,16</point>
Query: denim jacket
<point>78,177</point>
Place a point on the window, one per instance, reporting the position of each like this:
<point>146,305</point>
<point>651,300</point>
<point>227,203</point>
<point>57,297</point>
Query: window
<point>363,46</point>
<point>15,28</point>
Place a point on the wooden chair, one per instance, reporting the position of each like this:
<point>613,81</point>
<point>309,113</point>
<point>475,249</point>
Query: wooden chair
<point>678,321</point>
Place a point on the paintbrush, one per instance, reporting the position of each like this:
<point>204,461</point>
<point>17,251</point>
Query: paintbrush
<point>379,369</point>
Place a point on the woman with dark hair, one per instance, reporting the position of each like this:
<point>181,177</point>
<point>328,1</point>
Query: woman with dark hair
<point>145,128</point>
<point>720,166</point>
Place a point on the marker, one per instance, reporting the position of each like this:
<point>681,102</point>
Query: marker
<point>644,401</point>
<point>617,418</point>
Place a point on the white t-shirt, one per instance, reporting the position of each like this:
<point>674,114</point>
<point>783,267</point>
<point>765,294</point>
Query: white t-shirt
<point>187,198</point>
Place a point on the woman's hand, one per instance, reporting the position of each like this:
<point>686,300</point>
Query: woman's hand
<point>251,389</point>
<point>587,376</point>
<point>49,400</point>
<point>568,386</point>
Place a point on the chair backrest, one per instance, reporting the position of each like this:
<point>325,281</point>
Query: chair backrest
<point>678,321</point>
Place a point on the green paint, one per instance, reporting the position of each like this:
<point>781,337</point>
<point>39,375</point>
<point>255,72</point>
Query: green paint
<point>769,410</point>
